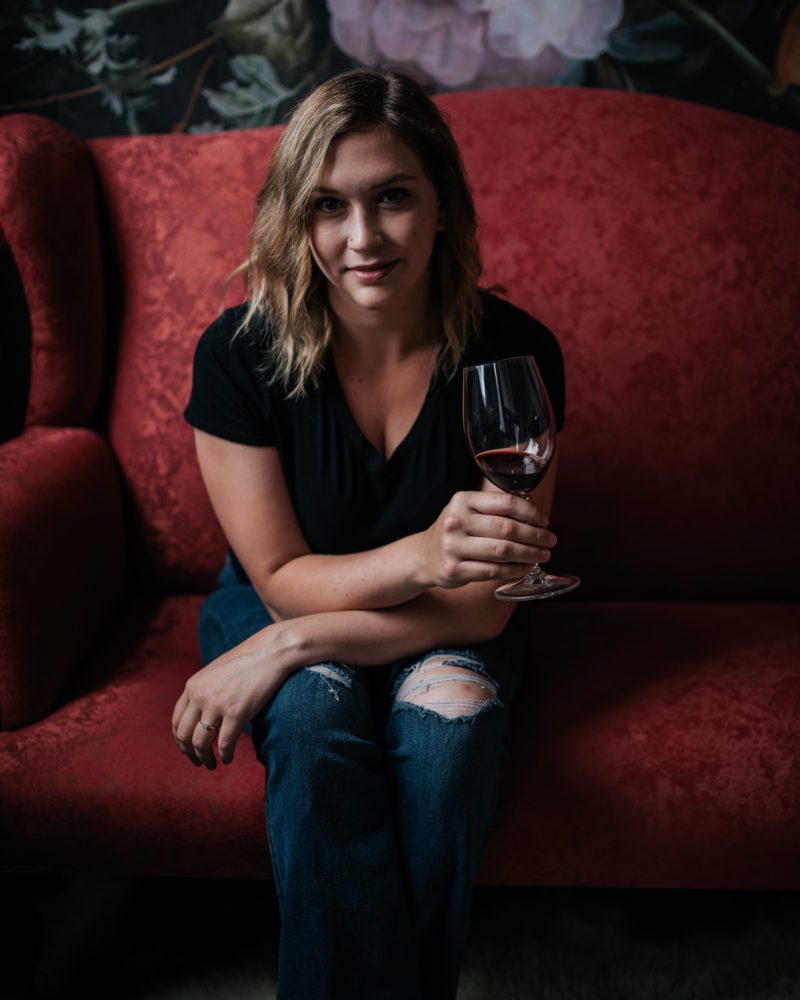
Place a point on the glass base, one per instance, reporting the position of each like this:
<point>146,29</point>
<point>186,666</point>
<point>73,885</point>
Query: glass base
<point>535,586</point>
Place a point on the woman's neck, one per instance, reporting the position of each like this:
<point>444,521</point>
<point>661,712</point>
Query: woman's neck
<point>373,340</point>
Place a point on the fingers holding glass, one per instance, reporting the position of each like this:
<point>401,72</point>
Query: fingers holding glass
<point>511,431</point>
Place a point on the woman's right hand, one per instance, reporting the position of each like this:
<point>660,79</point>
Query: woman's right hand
<point>230,690</point>
<point>483,535</point>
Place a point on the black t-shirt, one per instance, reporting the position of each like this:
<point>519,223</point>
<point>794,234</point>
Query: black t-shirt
<point>346,495</point>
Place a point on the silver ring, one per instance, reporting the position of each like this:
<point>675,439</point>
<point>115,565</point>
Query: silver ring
<point>205,726</point>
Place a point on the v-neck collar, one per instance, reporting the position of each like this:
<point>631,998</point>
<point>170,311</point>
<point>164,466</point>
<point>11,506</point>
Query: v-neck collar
<point>353,428</point>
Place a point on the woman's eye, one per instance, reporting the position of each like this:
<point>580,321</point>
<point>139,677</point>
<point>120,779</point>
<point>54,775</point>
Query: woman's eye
<point>326,205</point>
<point>393,196</point>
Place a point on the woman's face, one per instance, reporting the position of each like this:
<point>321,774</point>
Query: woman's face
<point>373,224</point>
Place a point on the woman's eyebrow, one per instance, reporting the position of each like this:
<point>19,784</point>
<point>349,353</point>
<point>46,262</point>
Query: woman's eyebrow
<point>385,182</point>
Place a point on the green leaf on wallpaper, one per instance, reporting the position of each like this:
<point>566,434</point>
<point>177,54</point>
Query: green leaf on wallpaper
<point>282,30</point>
<point>260,73</point>
<point>660,39</point>
<point>127,94</point>
<point>88,38</point>
<point>57,34</point>
<point>669,36</point>
<point>127,105</point>
<point>252,101</point>
<point>112,99</point>
<point>102,52</point>
<point>162,79</point>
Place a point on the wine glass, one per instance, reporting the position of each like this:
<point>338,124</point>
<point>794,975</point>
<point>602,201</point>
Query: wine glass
<point>511,432</point>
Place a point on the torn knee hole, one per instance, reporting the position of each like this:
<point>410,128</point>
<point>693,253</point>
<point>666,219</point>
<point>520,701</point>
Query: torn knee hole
<point>329,671</point>
<point>338,674</point>
<point>446,689</point>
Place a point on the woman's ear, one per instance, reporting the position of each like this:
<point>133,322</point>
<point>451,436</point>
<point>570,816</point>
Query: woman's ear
<point>440,219</point>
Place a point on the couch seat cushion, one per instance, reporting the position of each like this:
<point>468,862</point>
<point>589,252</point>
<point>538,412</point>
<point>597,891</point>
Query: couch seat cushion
<point>657,745</point>
<point>99,785</point>
<point>654,744</point>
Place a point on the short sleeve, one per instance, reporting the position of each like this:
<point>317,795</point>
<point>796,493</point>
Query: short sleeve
<point>229,398</point>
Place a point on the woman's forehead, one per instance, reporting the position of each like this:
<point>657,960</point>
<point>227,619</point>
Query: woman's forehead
<point>369,157</point>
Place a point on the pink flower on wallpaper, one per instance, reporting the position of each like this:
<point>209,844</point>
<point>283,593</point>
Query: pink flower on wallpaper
<point>474,43</point>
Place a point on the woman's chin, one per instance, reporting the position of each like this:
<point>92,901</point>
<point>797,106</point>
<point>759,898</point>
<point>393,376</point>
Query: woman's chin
<point>370,300</point>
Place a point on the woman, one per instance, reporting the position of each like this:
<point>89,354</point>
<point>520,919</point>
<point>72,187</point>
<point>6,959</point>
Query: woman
<point>354,632</point>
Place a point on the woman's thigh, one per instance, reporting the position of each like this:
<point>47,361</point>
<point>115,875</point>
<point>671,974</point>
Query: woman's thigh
<point>320,714</point>
<point>316,697</point>
<point>446,719</point>
<point>230,614</point>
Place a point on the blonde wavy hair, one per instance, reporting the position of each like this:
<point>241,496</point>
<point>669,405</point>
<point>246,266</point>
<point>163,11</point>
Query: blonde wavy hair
<point>286,290</point>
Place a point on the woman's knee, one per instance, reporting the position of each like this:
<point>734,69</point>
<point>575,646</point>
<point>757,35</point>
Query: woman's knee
<point>314,701</point>
<point>447,728</point>
<point>452,684</point>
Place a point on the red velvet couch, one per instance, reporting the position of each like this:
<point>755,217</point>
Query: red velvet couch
<point>657,740</point>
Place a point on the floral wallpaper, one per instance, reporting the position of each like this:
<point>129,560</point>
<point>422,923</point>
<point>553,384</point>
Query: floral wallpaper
<point>139,66</point>
<point>474,43</point>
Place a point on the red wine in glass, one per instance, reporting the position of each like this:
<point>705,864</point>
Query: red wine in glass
<point>513,471</point>
<point>511,432</point>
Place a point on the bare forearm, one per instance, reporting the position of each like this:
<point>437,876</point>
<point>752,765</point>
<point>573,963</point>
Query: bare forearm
<point>376,637</point>
<point>388,576</point>
<point>378,578</point>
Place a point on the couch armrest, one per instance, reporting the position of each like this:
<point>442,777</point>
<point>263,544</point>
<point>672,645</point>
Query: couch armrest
<point>50,219</point>
<point>63,563</point>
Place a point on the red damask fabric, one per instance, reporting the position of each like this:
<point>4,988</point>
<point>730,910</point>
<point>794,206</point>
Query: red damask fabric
<point>179,212</point>
<point>124,798</point>
<point>656,740</point>
<point>63,565</point>
<point>659,240</point>
<point>668,274</point>
<point>49,218</point>
<point>634,763</point>
<point>656,744</point>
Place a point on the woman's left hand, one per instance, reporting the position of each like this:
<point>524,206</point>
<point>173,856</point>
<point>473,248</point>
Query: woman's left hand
<point>227,693</point>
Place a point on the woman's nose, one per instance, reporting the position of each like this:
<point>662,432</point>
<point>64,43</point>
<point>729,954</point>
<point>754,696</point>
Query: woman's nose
<point>364,231</point>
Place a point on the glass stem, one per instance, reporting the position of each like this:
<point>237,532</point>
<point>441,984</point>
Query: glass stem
<point>536,572</point>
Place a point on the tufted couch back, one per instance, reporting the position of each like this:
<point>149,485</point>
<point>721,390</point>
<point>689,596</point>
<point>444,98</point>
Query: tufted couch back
<point>658,239</point>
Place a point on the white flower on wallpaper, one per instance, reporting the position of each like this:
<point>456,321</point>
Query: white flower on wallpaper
<point>455,44</point>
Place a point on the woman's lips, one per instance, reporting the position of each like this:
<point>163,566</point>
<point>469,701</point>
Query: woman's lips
<point>370,273</point>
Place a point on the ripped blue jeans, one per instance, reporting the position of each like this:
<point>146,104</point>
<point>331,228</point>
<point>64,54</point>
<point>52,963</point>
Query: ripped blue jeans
<point>381,787</point>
